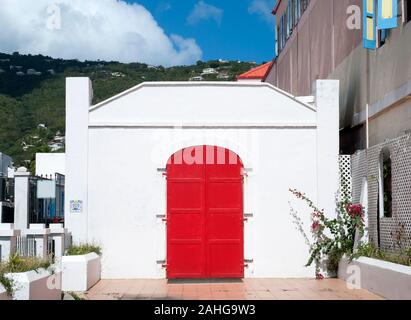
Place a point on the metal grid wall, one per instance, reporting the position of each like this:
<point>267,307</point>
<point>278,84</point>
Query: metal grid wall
<point>345,177</point>
<point>367,164</point>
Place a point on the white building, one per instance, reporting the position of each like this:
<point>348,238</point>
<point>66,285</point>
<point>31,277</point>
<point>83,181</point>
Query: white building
<point>33,72</point>
<point>6,169</point>
<point>197,78</point>
<point>195,177</point>
<point>55,146</point>
<point>48,164</point>
<point>209,71</point>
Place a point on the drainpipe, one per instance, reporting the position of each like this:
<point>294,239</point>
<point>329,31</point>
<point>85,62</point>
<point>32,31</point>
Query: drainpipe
<point>368,85</point>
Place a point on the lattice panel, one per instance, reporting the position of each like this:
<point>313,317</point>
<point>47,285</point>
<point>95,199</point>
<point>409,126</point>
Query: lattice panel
<point>367,164</point>
<point>345,177</point>
<point>359,171</point>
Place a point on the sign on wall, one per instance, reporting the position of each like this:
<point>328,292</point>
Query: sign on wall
<point>46,189</point>
<point>76,206</point>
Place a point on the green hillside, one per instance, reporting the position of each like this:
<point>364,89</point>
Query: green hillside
<point>32,93</point>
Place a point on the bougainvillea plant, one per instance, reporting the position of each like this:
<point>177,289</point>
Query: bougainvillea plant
<point>331,238</point>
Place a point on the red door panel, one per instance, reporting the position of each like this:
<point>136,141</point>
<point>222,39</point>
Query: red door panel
<point>205,214</point>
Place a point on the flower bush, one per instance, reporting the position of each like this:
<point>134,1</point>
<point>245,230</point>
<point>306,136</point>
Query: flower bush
<point>331,238</point>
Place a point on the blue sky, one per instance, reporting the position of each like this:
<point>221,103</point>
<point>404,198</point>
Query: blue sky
<point>166,32</point>
<point>226,29</point>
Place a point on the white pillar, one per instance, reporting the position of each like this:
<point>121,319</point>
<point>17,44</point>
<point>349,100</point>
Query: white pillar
<point>328,144</point>
<point>78,101</point>
<point>8,240</point>
<point>21,199</point>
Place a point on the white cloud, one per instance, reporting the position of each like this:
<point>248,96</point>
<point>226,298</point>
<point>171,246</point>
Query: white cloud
<point>263,9</point>
<point>91,29</point>
<point>205,11</point>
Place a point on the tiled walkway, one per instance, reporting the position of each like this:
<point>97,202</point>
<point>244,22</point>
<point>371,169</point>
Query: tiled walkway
<point>248,289</point>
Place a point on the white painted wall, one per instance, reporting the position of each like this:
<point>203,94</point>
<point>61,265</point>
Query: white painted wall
<point>274,134</point>
<point>221,103</point>
<point>328,147</point>
<point>50,163</point>
<point>78,98</point>
<point>389,280</point>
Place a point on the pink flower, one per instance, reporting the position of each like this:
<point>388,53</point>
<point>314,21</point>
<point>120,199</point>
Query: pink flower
<point>355,210</point>
<point>317,214</point>
<point>315,226</point>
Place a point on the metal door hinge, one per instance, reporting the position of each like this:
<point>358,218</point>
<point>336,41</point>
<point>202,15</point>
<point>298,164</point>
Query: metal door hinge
<point>247,216</point>
<point>247,262</point>
<point>247,171</point>
<point>163,263</point>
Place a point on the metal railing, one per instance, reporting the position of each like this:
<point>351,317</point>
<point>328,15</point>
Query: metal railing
<point>49,210</point>
<point>26,246</point>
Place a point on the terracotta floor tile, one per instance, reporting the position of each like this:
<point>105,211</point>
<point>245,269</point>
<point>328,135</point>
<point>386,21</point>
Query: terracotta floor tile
<point>247,289</point>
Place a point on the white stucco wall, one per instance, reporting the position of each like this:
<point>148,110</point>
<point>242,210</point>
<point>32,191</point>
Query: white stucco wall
<point>132,135</point>
<point>122,210</point>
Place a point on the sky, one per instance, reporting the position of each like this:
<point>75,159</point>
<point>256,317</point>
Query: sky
<point>158,32</point>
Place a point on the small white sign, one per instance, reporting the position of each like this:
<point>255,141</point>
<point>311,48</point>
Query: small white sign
<point>46,189</point>
<point>76,206</point>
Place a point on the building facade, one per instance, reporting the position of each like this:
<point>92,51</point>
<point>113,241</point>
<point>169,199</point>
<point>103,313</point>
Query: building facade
<point>191,180</point>
<point>364,44</point>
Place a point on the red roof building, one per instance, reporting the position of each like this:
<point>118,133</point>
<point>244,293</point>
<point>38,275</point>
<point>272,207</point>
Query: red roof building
<point>258,73</point>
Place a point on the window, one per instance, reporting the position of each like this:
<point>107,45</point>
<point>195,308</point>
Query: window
<point>385,194</point>
<point>387,14</point>
<point>288,20</point>
<point>295,11</point>
<point>369,25</point>
<point>407,11</point>
<point>382,37</point>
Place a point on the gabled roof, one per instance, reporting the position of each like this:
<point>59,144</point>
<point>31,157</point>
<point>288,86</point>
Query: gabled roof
<point>203,105</point>
<point>259,72</point>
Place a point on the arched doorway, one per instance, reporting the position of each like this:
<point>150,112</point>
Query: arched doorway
<point>205,214</point>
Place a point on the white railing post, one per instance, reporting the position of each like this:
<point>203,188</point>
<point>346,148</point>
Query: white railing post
<point>21,199</point>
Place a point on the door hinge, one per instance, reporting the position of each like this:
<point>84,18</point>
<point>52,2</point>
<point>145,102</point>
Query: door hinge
<point>247,171</point>
<point>163,217</point>
<point>163,263</point>
<point>247,216</point>
<point>247,262</point>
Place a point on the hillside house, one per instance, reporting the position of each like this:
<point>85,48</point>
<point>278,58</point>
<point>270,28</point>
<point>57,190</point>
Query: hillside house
<point>209,71</point>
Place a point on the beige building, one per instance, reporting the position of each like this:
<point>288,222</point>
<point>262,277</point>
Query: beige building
<point>323,39</point>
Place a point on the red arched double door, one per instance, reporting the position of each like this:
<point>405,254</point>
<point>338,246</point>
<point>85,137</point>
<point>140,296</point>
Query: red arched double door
<point>205,214</point>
